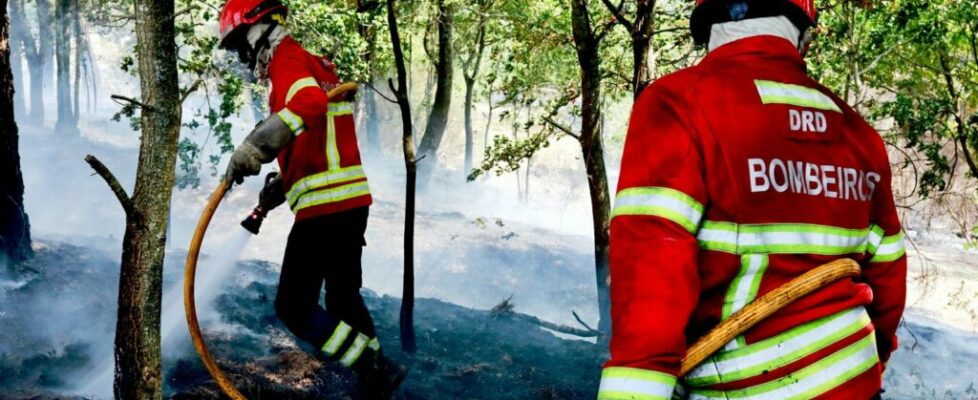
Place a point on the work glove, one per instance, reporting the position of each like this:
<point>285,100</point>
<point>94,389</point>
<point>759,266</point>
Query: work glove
<point>273,194</point>
<point>261,146</point>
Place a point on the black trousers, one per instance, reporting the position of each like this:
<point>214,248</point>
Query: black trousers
<point>324,251</point>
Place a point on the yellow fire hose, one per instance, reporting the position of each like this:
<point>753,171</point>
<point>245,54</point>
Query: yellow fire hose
<point>757,311</point>
<point>191,272</point>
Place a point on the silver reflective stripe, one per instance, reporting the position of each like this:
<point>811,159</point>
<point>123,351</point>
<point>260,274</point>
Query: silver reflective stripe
<point>875,237</point>
<point>337,338</point>
<point>340,108</point>
<point>782,238</point>
<point>811,381</point>
<point>891,248</point>
<point>323,179</point>
<point>332,152</point>
<point>662,202</point>
<point>769,354</point>
<point>743,289</point>
<point>785,93</point>
<point>633,383</point>
<point>332,195</point>
<point>356,349</point>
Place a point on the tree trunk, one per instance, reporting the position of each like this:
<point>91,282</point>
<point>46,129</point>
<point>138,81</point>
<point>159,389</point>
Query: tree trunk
<point>137,352</point>
<point>45,37</point>
<point>62,39</point>
<point>587,44</point>
<point>438,119</point>
<point>471,72</point>
<point>15,238</point>
<point>76,32</point>
<point>21,36</point>
<point>642,30</point>
<point>408,343</point>
<point>369,100</point>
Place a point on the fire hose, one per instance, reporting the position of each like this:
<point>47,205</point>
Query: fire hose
<point>190,274</point>
<point>758,310</point>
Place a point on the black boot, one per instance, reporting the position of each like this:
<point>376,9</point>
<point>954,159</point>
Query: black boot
<point>378,376</point>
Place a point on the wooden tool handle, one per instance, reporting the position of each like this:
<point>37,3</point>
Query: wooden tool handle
<point>757,311</point>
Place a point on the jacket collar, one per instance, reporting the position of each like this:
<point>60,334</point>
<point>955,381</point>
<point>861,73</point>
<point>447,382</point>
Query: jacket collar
<point>762,48</point>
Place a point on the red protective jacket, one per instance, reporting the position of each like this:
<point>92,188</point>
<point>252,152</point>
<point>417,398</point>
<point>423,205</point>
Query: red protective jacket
<point>321,167</point>
<point>738,175</point>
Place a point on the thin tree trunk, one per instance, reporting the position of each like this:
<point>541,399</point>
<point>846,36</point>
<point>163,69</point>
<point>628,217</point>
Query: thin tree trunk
<point>137,342</point>
<point>45,40</point>
<point>438,119</point>
<point>587,44</point>
<point>408,343</point>
<point>15,238</point>
<point>21,36</point>
<point>66,119</point>
<point>76,33</point>
<point>369,100</point>
<point>472,64</point>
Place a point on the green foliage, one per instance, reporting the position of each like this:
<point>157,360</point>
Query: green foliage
<point>505,154</point>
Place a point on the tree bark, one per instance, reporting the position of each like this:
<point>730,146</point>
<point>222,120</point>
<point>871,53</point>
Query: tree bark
<point>587,46</point>
<point>641,30</point>
<point>438,118</point>
<point>45,40</point>
<point>17,71</point>
<point>62,39</point>
<point>137,342</point>
<point>369,100</point>
<point>408,343</point>
<point>15,239</point>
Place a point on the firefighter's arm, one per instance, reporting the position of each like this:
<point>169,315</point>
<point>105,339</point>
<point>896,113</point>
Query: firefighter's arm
<point>654,279</point>
<point>886,270</point>
<point>300,92</point>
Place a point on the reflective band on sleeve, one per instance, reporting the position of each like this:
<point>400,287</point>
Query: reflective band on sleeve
<point>293,121</point>
<point>299,85</point>
<point>875,237</point>
<point>332,195</point>
<point>890,249</point>
<point>323,179</point>
<point>356,349</point>
<point>811,381</point>
<point>777,351</point>
<point>661,202</point>
<point>783,93</point>
<point>782,239</point>
<point>336,339</point>
<point>373,344</point>
<point>743,289</point>
<point>620,383</point>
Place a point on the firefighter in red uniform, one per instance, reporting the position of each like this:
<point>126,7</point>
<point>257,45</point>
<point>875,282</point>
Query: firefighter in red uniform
<point>322,180</point>
<point>738,175</point>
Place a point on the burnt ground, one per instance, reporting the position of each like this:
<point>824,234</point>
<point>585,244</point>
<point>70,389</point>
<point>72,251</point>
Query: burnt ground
<point>462,353</point>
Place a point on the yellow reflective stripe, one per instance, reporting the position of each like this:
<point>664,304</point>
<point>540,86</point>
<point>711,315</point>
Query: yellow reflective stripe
<point>323,179</point>
<point>353,353</point>
<point>340,108</point>
<point>891,248</point>
<point>733,238</point>
<point>780,350</point>
<point>811,381</point>
<point>337,338</point>
<point>292,120</point>
<point>374,344</point>
<point>784,93</point>
<point>332,195</point>
<point>743,289</point>
<point>633,383</point>
<point>661,202</point>
<point>332,153</point>
<point>299,85</point>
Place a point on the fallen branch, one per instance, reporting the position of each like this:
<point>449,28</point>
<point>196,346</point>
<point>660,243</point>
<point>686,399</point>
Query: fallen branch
<point>113,183</point>
<point>505,310</point>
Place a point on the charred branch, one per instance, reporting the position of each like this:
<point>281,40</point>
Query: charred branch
<point>117,189</point>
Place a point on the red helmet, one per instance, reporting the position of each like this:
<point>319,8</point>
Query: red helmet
<point>708,12</point>
<point>244,13</point>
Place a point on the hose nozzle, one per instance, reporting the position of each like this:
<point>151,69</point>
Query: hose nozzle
<point>253,222</point>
